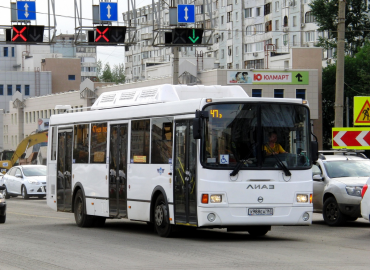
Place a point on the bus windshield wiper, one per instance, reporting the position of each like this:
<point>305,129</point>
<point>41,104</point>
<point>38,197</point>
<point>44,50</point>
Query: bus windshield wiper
<point>238,167</point>
<point>279,162</point>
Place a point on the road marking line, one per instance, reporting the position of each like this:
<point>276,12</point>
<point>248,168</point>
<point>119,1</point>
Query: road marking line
<point>33,215</point>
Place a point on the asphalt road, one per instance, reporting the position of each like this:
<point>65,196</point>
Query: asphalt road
<point>36,237</point>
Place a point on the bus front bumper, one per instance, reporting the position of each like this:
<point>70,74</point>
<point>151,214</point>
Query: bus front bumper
<point>254,215</point>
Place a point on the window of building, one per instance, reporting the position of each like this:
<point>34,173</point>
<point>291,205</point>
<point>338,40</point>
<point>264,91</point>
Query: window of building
<point>255,64</point>
<point>222,53</point>
<point>278,93</point>
<point>237,16</point>
<point>222,36</point>
<point>277,6</point>
<point>285,21</point>
<point>10,90</point>
<point>81,144</point>
<point>140,133</point>
<point>237,51</point>
<point>294,40</point>
<point>294,20</point>
<point>259,46</point>
<point>162,140</point>
<point>300,93</point>
<point>229,50</point>
<point>229,34</point>
<point>236,33</point>
<point>268,26</point>
<point>222,19</point>
<point>277,43</point>
<point>310,36</point>
<point>27,90</point>
<point>71,77</point>
<point>13,51</point>
<point>1,89</point>
<point>248,47</point>
<point>267,9</point>
<point>260,28</point>
<point>250,30</point>
<point>18,88</point>
<point>285,40</point>
<point>247,12</point>
<point>309,18</point>
<point>277,27</point>
<point>5,51</point>
<point>256,92</point>
<point>229,16</point>
<point>258,11</point>
<point>98,143</point>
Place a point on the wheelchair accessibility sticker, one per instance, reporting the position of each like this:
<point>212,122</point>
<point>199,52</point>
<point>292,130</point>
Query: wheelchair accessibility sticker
<point>224,159</point>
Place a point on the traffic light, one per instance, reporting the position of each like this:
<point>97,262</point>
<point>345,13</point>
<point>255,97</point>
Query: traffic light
<point>25,33</point>
<point>107,34</point>
<point>189,36</point>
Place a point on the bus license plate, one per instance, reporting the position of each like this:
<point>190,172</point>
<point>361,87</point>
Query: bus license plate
<point>260,212</point>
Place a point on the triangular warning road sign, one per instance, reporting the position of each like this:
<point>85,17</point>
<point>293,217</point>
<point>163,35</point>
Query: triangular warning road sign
<point>364,115</point>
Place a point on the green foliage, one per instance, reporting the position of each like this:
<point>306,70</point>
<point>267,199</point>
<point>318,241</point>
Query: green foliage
<point>357,23</point>
<point>117,75</point>
<point>356,83</point>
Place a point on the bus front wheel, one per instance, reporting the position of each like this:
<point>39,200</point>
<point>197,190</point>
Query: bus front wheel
<point>82,220</point>
<point>161,221</point>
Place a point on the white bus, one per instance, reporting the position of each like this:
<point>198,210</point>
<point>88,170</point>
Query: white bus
<point>175,155</point>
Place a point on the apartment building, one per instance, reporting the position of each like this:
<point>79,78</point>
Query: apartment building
<point>247,34</point>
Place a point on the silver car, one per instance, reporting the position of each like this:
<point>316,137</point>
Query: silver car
<point>337,183</point>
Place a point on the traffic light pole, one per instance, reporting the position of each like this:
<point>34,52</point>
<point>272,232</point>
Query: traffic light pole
<point>175,75</point>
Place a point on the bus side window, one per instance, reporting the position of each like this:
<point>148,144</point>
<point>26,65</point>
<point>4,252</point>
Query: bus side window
<point>54,135</point>
<point>98,144</point>
<point>81,146</point>
<point>162,140</point>
<point>140,133</point>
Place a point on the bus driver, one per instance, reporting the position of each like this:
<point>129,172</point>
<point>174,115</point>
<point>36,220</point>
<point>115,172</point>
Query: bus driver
<point>272,147</point>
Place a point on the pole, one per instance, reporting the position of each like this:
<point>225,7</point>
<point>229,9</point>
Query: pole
<point>175,50</point>
<point>339,85</point>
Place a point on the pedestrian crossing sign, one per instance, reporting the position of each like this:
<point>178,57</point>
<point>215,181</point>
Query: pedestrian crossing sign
<point>361,111</point>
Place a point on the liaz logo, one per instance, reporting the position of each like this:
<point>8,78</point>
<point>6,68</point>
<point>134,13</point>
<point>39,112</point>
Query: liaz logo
<point>260,187</point>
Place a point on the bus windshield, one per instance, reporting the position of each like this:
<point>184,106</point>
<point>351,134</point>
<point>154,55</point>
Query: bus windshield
<point>256,135</point>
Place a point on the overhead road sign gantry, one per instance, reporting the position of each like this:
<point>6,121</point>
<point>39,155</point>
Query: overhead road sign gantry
<point>108,11</point>
<point>184,36</point>
<point>26,10</point>
<point>351,138</point>
<point>185,14</point>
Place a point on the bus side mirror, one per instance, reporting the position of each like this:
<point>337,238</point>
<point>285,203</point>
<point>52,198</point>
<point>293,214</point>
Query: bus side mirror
<point>197,123</point>
<point>314,151</point>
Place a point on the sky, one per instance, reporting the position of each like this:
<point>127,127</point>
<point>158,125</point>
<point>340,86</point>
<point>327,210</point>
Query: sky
<point>65,21</point>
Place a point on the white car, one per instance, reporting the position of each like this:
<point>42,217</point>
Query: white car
<point>365,203</point>
<point>26,180</point>
<point>338,178</point>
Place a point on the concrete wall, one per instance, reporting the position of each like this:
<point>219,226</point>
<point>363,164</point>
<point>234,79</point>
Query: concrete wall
<point>61,68</point>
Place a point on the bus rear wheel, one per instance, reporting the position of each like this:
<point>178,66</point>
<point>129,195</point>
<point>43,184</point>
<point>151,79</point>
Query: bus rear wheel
<point>82,220</point>
<point>160,216</point>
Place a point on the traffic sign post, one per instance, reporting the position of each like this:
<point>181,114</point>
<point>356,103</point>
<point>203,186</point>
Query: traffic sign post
<point>108,11</point>
<point>185,13</point>
<point>351,138</point>
<point>26,10</point>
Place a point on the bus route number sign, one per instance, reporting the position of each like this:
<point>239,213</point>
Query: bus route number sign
<point>215,114</point>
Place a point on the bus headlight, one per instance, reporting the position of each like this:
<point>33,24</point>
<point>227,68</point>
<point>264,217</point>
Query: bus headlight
<point>216,198</point>
<point>302,198</point>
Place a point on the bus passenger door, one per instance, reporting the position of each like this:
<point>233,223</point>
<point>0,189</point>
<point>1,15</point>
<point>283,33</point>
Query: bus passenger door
<point>185,161</point>
<point>64,170</point>
<point>118,171</point>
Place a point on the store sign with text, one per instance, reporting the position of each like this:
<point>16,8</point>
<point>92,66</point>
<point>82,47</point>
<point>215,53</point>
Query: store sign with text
<point>268,77</point>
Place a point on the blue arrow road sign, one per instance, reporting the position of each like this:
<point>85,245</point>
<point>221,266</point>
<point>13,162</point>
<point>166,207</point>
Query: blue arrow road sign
<point>26,10</point>
<point>108,11</point>
<point>185,14</point>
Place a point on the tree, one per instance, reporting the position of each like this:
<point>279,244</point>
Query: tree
<point>357,23</point>
<point>356,78</point>
<point>119,73</point>
<point>107,75</point>
<point>116,75</point>
<point>99,66</point>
